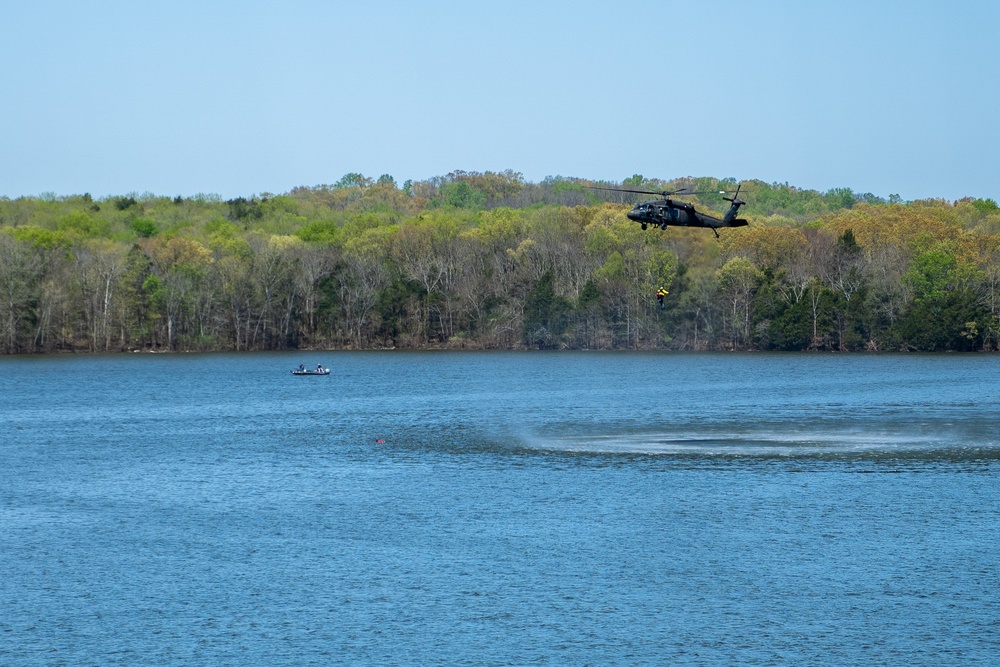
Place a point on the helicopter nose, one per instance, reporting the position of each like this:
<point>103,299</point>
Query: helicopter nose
<point>633,215</point>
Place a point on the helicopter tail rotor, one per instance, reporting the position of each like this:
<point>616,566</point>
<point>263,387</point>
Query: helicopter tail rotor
<point>735,199</point>
<point>730,219</point>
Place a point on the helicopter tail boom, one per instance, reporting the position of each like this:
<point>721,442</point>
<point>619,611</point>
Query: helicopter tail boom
<point>730,218</point>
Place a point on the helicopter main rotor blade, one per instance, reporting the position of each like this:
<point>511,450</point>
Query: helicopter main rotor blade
<point>663,193</point>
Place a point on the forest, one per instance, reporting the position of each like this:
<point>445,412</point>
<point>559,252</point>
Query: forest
<point>487,260</point>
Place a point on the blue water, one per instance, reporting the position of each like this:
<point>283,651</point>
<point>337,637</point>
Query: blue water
<point>525,508</point>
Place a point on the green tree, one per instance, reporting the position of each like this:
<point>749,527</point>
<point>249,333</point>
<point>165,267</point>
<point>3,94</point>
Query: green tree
<point>144,228</point>
<point>398,307</point>
<point>545,314</point>
<point>587,315</point>
<point>125,203</point>
<point>81,226</point>
<point>945,313</point>
<point>353,180</point>
<point>462,195</point>
<point>244,211</point>
<point>20,274</point>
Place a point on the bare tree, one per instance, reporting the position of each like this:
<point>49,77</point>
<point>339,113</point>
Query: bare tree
<point>100,264</point>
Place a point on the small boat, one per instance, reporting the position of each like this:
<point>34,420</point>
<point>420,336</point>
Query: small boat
<point>315,371</point>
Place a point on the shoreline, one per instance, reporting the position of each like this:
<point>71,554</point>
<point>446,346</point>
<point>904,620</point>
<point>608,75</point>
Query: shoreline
<point>445,348</point>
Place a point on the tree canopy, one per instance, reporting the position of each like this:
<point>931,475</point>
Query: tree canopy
<point>489,260</point>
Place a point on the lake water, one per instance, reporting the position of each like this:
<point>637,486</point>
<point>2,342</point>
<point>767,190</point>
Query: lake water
<point>523,509</point>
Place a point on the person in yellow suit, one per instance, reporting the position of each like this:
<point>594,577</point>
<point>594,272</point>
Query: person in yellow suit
<point>660,293</point>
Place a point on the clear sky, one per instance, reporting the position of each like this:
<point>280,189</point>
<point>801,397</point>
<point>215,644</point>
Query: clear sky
<point>239,98</point>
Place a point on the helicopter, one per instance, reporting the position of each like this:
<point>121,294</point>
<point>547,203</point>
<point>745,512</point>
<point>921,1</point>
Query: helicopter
<point>666,212</point>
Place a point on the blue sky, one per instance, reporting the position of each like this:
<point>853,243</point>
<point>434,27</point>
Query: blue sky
<point>240,98</point>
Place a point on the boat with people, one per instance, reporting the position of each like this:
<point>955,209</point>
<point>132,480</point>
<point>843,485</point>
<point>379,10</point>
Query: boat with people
<point>319,370</point>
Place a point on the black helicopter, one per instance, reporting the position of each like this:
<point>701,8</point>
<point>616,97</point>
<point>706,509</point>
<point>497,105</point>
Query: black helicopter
<point>666,212</point>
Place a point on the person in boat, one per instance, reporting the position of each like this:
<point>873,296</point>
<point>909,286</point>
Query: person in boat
<point>302,367</point>
<point>319,369</point>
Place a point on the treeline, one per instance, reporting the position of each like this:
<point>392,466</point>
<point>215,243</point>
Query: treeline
<point>488,260</point>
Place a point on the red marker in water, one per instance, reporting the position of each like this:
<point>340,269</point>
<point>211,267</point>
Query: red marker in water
<point>379,441</point>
